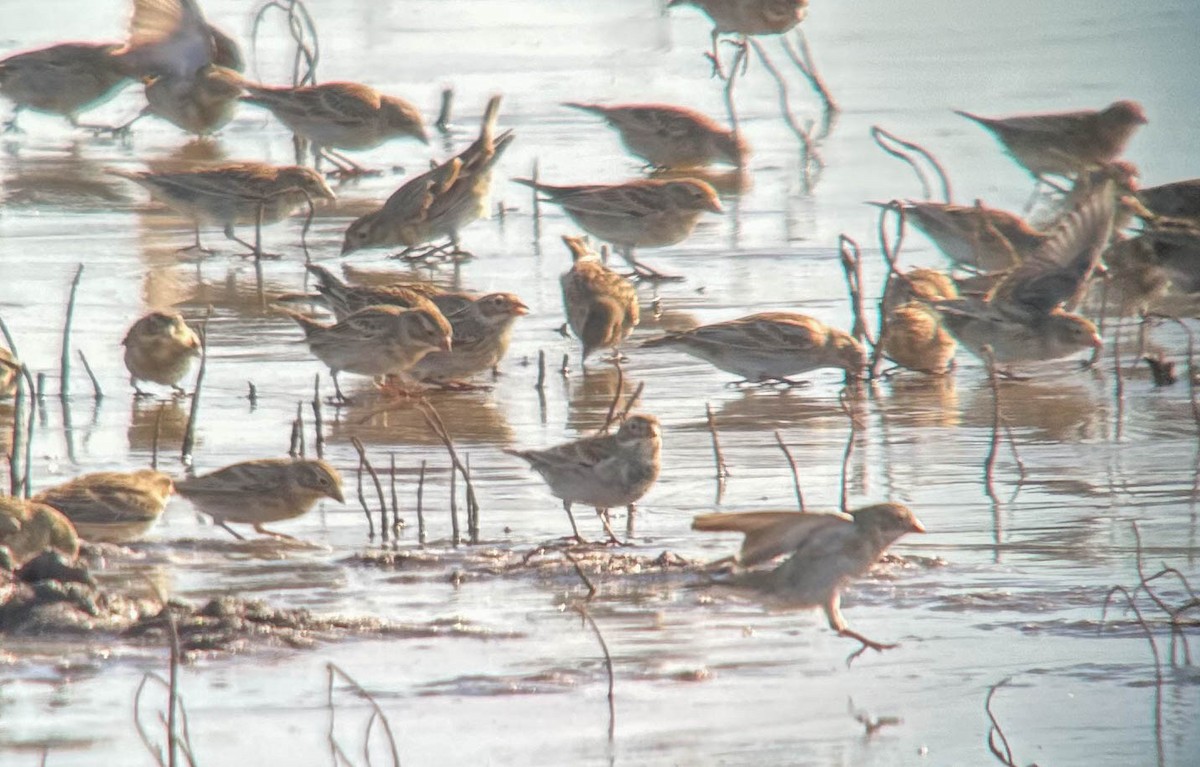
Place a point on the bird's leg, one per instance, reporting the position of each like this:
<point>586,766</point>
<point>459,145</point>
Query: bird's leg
<point>119,131</point>
<point>230,530</point>
<point>339,398</point>
<point>631,514</point>
<point>714,55</point>
<point>254,250</point>
<point>137,391</point>
<point>179,390</point>
<point>603,514</point>
<point>788,383</point>
<point>10,125</point>
<point>281,536</point>
<point>867,644</point>
<point>642,271</point>
<point>574,527</point>
<point>344,167</point>
<point>196,247</point>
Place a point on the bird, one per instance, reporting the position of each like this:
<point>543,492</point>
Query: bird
<point>10,369</point>
<point>668,136</point>
<point>1065,143</point>
<point>159,347</point>
<point>111,506</point>
<point>601,305</point>
<point>375,341</point>
<point>439,202</point>
<point>233,193</point>
<point>921,285</point>
<point>1178,199</point>
<point>975,237</point>
<point>28,528</point>
<point>646,213</point>
<point>1023,318</point>
<point>482,325</point>
<point>750,17</point>
<point>769,347</point>
<point>826,552</point>
<point>190,69</point>
<point>913,338</point>
<point>260,491</point>
<point>340,115</point>
<point>602,471</point>
<point>64,79</point>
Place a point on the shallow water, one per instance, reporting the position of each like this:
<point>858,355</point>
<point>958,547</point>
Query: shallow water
<point>1013,589</point>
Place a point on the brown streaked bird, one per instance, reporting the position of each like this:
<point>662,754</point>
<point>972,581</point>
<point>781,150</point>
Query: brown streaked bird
<point>482,325</point>
<point>28,528</point>
<point>921,285</point>
<point>647,213</point>
<point>64,79</point>
<point>913,338</point>
<point>1065,143</point>
<point>111,506</point>
<point>439,202</point>
<point>201,104</point>
<point>601,306</point>
<point>340,115</point>
<point>1140,272</point>
<point>975,237</point>
<point>770,346</point>
<point>1022,318</point>
<point>827,551</point>
<point>159,347</point>
<point>375,341</point>
<point>668,136</point>
<point>1178,199</point>
<point>262,491</point>
<point>234,193</point>
<point>750,17</point>
<point>10,368</point>
<point>602,471</point>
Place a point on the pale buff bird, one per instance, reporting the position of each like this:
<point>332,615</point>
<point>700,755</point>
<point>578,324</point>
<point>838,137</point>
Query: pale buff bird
<point>922,285</point>
<point>914,338</point>
<point>375,341</point>
<point>1066,143</point>
<point>482,325</point>
<point>234,193</point>
<point>647,213</point>
<point>201,104</point>
<point>340,116</point>
<point>770,346</point>
<point>1022,318</point>
<point>669,136</point>
<point>975,236</point>
<point>262,491</point>
<point>601,306</point>
<point>110,506</point>
<point>602,471</point>
<point>439,202</point>
<point>10,368</point>
<point>28,528</point>
<point>64,79</point>
<point>159,347</point>
<point>826,552</point>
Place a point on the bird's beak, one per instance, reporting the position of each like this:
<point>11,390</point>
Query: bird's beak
<point>520,310</point>
<point>346,249</point>
<point>714,205</point>
<point>336,494</point>
<point>1097,341</point>
<point>445,344</point>
<point>917,527</point>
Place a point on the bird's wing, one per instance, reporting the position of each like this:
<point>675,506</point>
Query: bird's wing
<point>770,534</point>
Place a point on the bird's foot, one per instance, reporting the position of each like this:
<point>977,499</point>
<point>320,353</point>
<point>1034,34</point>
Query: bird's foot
<point>459,386</point>
<point>278,536</point>
<point>644,273</point>
<point>10,127</point>
<point>867,644</point>
<point>786,383</point>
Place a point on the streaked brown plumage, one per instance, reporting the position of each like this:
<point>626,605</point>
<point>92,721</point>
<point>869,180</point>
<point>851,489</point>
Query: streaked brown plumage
<point>340,115</point>
<point>922,285</point>
<point>602,471</point>
<point>601,305</point>
<point>64,79</point>
<point>111,506</point>
<point>915,339</point>
<point>646,213</point>
<point>261,491</point>
<point>1178,199</point>
<point>28,528</point>
<point>159,347</point>
<point>201,104</point>
<point>668,136</point>
<point>376,341</point>
<point>482,325</point>
<point>975,236</point>
<point>1066,143</point>
<point>827,551</point>
<point>1023,318</point>
<point>750,17</point>
<point>233,193</point>
<point>770,346</point>
<point>439,202</point>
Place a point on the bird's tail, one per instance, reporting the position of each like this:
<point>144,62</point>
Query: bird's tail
<point>307,324</point>
<point>589,108</point>
<point>985,122</point>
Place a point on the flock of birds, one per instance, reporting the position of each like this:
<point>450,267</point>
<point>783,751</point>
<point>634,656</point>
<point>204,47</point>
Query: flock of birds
<point>1018,306</point>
